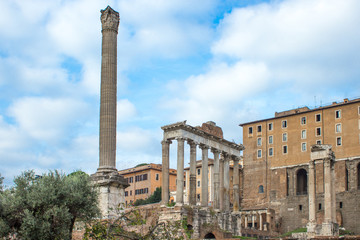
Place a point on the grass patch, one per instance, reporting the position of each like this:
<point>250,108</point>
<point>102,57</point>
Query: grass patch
<point>298,230</point>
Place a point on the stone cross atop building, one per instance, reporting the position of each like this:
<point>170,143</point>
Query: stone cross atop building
<point>110,183</point>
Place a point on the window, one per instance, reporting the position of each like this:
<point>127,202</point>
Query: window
<point>303,120</point>
<point>319,206</point>
<point>259,141</point>
<point>284,137</point>
<point>130,192</point>
<point>303,147</point>
<point>199,171</point>
<point>126,193</point>
<point>340,205</point>
<point>301,182</point>
<point>318,131</point>
<point>300,207</point>
<point>198,197</point>
<point>318,117</point>
<point>338,141</point>
<point>270,139</point>
<point>131,179</point>
<point>270,126</point>
<point>142,177</point>
<point>271,152</point>
<point>318,141</point>
<point>184,184</point>
<point>259,153</point>
<point>338,128</point>
<point>198,183</point>
<point>338,114</point>
<point>157,177</point>
<point>303,134</point>
<point>285,149</point>
<point>250,130</point>
<point>259,128</point>
<point>284,124</point>
<point>261,189</point>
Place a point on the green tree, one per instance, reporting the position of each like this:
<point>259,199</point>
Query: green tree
<point>46,207</point>
<point>153,198</point>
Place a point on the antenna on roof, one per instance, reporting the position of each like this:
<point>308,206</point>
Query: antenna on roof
<point>315,101</point>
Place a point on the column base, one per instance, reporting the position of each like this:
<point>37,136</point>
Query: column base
<point>111,187</point>
<point>329,229</point>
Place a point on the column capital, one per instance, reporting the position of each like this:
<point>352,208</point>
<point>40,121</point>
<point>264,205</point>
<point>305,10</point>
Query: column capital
<point>215,150</point>
<point>179,139</point>
<point>191,142</point>
<point>203,146</point>
<point>235,158</point>
<point>311,164</point>
<point>167,141</point>
<point>110,19</point>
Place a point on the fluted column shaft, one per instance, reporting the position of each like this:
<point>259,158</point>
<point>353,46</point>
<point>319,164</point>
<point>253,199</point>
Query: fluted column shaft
<point>107,140</point>
<point>333,194</point>
<point>180,172</point>
<point>192,187</point>
<point>204,176</point>
<point>236,185</point>
<point>226,183</point>
<point>216,178</point>
<point>165,172</point>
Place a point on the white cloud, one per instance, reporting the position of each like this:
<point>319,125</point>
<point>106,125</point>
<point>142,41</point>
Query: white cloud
<point>125,110</point>
<point>47,119</point>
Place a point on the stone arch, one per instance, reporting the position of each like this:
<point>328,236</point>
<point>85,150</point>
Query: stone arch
<point>301,182</point>
<point>358,175</point>
<point>209,236</point>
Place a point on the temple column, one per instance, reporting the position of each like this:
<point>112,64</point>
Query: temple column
<point>221,185</point>
<point>333,194</point>
<point>192,187</point>
<point>216,177</point>
<point>312,198</point>
<point>226,183</point>
<point>236,184</point>
<point>327,193</point>
<point>253,220</point>
<point>180,172</point>
<point>204,176</point>
<point>165,171</point>
<point>246,221</point>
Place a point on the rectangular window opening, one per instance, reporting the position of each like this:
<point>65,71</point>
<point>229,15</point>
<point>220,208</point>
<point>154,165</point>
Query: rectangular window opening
<point>338,114</point>
<point>338,128</point>
<point>259,128</point>
<point>303,134</point>
<point>270,126</point>
<point>271,151</point>
<point>259,141</point>
<point>284,124</point>
<point>338,141</point>
<point>318,131</point>
<point>303,147</point>
<point>284,137</point>
<point>250,130</point>
<point>270,139</point>
<point>303,120</point>
<point>285,149</point>
<point>259,153</point>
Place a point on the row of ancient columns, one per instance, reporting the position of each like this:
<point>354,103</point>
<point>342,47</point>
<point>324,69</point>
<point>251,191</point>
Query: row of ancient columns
<point>257,217</point>
<point>221,175</point>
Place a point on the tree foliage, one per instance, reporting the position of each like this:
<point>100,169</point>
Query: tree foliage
<point>154,198</point>
<point>46,207</point>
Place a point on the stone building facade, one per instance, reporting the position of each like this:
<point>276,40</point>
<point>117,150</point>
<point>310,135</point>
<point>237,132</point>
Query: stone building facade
<point>143,180</point>
<point>276,164</point>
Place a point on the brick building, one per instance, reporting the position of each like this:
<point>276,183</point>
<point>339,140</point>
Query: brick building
<point>143,180</point>
<point>276,163</point>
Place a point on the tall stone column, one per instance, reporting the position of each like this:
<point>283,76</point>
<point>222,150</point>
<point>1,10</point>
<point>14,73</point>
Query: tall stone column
<point>110,183</point>
<point>165,172</point>
<point>108,97</point>
<point>260,222</point>
<point>216,177</point>
<point>226,183</point>
<point>312,200</point>
<point>222,189</point>
<point>328,191</point>
<point>236,184</point>
<point>180,172</point>
<point>333,194</point>
<point>246,221</point>
<point>204,176</point>
<point>192,187</point>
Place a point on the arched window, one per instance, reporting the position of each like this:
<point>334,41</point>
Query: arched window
<point>261,189</point>
<point>301,182</point>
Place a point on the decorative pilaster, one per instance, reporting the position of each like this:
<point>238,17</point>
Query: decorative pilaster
<point>192,187</point>
<point>204,176</point>
<point>165,171</point>
<point>180,172</point>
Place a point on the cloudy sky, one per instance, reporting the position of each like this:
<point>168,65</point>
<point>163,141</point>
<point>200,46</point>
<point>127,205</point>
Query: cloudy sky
<point>226,61</point>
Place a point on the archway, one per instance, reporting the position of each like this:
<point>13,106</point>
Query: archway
<point>301,182</point>
<point>210,236</point>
